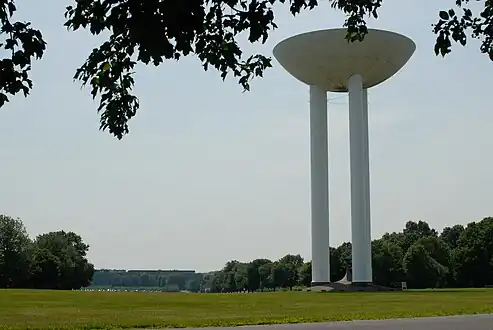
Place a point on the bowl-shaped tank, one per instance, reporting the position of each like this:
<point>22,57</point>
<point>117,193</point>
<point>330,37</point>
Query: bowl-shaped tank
<point>326,59</point>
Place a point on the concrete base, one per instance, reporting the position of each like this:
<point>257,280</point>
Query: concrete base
<point>345,284</point>
<point>351,287</point>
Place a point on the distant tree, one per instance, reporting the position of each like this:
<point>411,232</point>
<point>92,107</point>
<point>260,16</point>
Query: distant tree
<point>291,259</point>
<point>290,265</point>
<point>68,248</point>
<point>218,281</point>
<point>398,239</point>
<point>306,274</point>
<point>473,257</point>
<point>387,262</point>
<point>437,249</point>
<point>265,272</point>
<point>254,275</point>
<point>46,270</point>
<point>422,271</point>
<point>280,275</point>
<point>229,281</point>
<point>416,230</point>
<point>241,276</point>
<point>450,235</point>
<point>228,276</point>
<point>292,276</point>
<point>340,259</point>
<point>15,253</point>
<point>345,251</point>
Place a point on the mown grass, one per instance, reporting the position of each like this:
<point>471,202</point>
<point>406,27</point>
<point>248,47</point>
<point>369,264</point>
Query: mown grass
<point>29,309</point>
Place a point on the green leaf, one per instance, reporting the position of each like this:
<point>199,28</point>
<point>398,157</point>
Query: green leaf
<point>444,15</point>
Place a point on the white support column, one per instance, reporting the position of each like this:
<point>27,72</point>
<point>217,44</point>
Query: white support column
<point>360,181</point>
<point>366,189</point>
<point>319,186</point>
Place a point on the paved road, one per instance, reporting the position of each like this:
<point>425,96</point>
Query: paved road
<point>463,322</point>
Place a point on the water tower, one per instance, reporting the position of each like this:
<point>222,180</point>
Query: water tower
<point>327,62</point>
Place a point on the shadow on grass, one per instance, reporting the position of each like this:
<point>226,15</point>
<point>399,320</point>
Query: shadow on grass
<point>471,290</point>
<point>420,291</point>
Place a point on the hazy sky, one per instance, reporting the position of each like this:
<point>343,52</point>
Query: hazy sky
<point>209,173</point>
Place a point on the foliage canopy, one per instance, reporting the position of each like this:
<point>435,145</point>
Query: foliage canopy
<point>55,260</point>
<point>151,31</point>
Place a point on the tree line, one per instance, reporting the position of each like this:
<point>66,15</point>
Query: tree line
<point>458,256</point>
<point>159,280</point>
<point>54,260</point>
<point>419,255</point>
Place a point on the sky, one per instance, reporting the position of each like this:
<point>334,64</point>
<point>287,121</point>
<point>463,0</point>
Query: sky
<point>209,173</point>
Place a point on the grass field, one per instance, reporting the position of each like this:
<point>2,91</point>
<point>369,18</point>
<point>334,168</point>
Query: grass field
<point>26,309</point>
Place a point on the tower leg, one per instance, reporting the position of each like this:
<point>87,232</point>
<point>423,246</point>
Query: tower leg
<point>360,181</point>
<point>319,186</point>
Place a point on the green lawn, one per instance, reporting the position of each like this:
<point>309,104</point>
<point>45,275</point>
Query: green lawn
<point>27,309</point>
